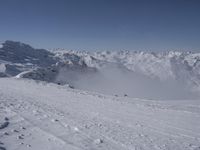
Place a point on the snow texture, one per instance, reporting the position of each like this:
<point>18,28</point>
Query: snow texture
<point>69,100</point>
<point>48,116</point>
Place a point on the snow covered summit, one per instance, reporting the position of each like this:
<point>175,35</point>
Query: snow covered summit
<point>107,72</point>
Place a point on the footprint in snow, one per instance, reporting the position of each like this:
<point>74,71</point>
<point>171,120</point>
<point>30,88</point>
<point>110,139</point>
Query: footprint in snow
<point>14,130</point>
<point>4,124</point>
<point>98,141</point>
<point>23,128</point>
<point>54,120</point>
<point>20,137</point>
<point>6,119</point>
<point>2,148</point>
<point>28,145</point>
<point>6,133</point>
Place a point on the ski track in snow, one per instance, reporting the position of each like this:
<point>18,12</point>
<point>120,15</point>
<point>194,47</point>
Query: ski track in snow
<point>37,116</point>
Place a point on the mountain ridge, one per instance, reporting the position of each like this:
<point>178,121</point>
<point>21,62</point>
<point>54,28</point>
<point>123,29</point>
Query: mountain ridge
<point>74,67</point>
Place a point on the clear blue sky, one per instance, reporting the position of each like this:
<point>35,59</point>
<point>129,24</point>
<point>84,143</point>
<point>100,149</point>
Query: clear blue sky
<point>102,24</point>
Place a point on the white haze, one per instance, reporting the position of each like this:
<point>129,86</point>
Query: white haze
<point>117,80</point>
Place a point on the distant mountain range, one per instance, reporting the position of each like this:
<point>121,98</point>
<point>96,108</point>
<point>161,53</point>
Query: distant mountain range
<point>66,67</point>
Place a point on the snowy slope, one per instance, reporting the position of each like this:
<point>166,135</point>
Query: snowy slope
<point>47,116</point>
<point>55,110</point>
<point>169,75</point>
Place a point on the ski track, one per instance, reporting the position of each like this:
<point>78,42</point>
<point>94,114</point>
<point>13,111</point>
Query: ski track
<point>78,120</point>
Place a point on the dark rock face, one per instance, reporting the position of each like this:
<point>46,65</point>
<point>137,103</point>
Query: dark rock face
<point>40,64</point>
<point>17,52</point>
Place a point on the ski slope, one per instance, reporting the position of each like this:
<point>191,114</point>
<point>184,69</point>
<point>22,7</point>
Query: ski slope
<point>46,116</point>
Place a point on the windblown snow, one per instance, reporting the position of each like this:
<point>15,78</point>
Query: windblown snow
<point>98,100</point>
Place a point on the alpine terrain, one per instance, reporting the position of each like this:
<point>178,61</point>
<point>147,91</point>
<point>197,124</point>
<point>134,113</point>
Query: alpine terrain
<point>108,100</point>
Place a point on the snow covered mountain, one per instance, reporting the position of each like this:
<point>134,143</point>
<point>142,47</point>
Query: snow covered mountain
<point>163,65</point>
<point>96,107</point>
<point>177,72</point>
<point>21,60</point>
<point>182,69</point>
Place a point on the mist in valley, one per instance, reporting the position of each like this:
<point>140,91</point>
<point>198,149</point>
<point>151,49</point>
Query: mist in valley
<point>117,80</point>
